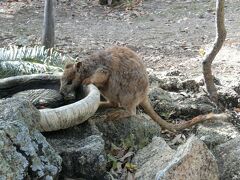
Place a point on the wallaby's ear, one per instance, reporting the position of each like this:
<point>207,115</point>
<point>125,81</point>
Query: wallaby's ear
<point>77,65</point>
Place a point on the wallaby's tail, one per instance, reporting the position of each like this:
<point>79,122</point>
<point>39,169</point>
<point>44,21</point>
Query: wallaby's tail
<point>150,111</point>
<point>177,127</point>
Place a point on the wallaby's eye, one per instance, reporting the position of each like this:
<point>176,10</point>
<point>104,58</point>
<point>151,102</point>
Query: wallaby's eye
<point>69,82</point>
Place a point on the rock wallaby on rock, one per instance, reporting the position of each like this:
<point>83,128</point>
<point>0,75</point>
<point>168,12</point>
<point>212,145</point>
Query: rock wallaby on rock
<point>122,79</point>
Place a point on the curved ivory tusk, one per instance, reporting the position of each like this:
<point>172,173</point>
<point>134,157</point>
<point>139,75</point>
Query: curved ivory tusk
<point>72,114</point>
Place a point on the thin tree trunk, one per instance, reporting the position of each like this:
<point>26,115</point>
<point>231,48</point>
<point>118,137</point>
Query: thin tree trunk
<point>49,24</point>
<point>209,57</point>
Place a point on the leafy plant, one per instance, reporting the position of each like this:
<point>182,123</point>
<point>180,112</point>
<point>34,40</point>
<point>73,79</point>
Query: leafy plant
<point>119,159</point>
<point>28,60</point>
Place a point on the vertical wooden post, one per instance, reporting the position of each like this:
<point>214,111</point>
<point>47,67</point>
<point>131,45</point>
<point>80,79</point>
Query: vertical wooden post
<point>49,24</point>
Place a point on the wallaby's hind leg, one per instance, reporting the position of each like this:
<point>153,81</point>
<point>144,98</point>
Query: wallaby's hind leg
<point>122,113</point>
<point>108,104</point>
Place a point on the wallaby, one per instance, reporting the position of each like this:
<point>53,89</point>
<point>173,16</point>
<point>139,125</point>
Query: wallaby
<point>122,79</point>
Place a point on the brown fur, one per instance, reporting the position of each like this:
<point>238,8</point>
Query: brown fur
<point>122,79</point>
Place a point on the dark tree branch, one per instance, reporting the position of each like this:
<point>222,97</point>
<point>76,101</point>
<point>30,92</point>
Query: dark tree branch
<point>209,57</point>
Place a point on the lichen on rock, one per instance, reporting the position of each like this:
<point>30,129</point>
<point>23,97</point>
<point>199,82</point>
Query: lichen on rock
<point>24,152</point>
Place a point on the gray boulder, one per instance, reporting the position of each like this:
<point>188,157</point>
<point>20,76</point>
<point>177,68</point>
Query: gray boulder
<point>24,152</point>
<point>82,150</point>
<point>191,160</point>
<point>217,132</point>
<point>152,158</point>
<point>228,159</point>
<point>139,129</point>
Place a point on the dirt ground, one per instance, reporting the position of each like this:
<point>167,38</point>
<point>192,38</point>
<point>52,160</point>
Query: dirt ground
<point>166,33</point>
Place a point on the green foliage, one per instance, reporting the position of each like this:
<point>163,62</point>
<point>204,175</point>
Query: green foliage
<point>129,142</point>
<point>29,60</point>
<point>32,60</point>
<point>135,143</point>
<point>120,157</point>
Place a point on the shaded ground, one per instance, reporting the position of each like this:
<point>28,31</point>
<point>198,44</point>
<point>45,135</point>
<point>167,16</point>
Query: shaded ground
<point>166,33</point>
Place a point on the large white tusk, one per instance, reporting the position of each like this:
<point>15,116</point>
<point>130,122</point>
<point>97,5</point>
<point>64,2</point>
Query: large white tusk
<point>72,114</point>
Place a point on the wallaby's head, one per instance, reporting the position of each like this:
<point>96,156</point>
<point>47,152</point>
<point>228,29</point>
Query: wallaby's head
<point>71,78</point>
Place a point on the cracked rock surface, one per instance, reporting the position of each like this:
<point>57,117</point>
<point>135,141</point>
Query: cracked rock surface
<point>24,152</point>
<point>192,160</point>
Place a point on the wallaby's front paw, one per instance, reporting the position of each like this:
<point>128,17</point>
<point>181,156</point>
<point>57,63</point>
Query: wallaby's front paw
<point>117,115</point>
<point>86,81</point>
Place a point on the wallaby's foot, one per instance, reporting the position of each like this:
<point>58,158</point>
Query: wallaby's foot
<point>87,81</point>
<point>118,114</point>
<point>107,104</point>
